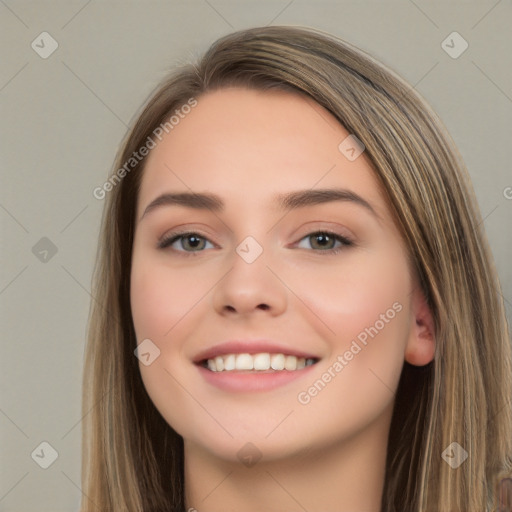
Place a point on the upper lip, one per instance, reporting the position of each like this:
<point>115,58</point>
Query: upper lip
<point>250,347</point>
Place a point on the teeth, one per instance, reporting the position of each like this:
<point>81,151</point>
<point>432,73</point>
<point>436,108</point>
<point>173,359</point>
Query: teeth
<point>258,362</point>
<point>290,363</point>
<point>229,362</point>
<point>261,361</point>
<point>219,363</point>
<point>243,362</point>
<point>277,361</point>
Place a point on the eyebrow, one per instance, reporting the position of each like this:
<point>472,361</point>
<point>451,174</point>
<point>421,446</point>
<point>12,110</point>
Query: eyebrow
<point>288,201</point>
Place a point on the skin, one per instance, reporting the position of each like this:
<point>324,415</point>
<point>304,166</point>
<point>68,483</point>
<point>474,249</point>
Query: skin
<point>329,454</point>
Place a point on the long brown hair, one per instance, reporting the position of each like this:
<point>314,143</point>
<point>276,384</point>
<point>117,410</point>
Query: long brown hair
<point>133,460</point>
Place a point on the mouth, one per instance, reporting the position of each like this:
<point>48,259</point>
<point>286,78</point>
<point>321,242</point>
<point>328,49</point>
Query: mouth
<point>253,365</point>
<point>263,362</point>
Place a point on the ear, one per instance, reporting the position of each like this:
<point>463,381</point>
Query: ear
<point>420,349</point>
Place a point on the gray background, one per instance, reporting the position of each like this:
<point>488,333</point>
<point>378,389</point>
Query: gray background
<point>64,116</point>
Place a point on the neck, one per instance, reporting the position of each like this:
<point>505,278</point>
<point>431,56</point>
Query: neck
<point>345,477</point>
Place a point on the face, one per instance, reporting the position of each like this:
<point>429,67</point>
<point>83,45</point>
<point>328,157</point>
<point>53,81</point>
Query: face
<point>269,272</point>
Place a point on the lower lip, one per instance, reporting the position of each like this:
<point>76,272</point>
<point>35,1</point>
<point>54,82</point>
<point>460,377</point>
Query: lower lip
<point>252,381</point>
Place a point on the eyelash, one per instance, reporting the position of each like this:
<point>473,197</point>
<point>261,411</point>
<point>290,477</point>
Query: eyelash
<point>173,237</point>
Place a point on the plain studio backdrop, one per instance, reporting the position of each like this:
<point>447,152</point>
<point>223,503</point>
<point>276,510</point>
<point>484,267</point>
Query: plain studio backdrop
<point>73,75</point>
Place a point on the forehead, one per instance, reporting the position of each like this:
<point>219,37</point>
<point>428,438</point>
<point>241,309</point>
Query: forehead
<point>246,145</point>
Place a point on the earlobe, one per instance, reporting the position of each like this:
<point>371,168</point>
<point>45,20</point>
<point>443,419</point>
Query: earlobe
<point>420,349</point>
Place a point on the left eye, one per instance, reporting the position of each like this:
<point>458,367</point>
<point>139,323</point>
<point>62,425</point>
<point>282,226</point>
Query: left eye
<point>325,241</point>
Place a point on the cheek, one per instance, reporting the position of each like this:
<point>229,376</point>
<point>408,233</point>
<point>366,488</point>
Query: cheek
<point>148,302</point>
<point>368,314</point>
<point>353,294</point>
<point>362,309</point>
<point>159,299</point>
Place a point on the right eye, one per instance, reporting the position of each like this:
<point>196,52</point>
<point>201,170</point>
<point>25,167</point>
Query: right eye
<point>189,242</point>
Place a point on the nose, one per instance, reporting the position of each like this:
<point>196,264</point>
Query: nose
<point>248,288</point>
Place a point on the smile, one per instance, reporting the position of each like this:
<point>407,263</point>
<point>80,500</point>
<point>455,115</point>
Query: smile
<point>261,362</point>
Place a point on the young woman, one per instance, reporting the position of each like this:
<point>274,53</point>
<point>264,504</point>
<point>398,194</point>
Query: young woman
<point>295,306</point>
